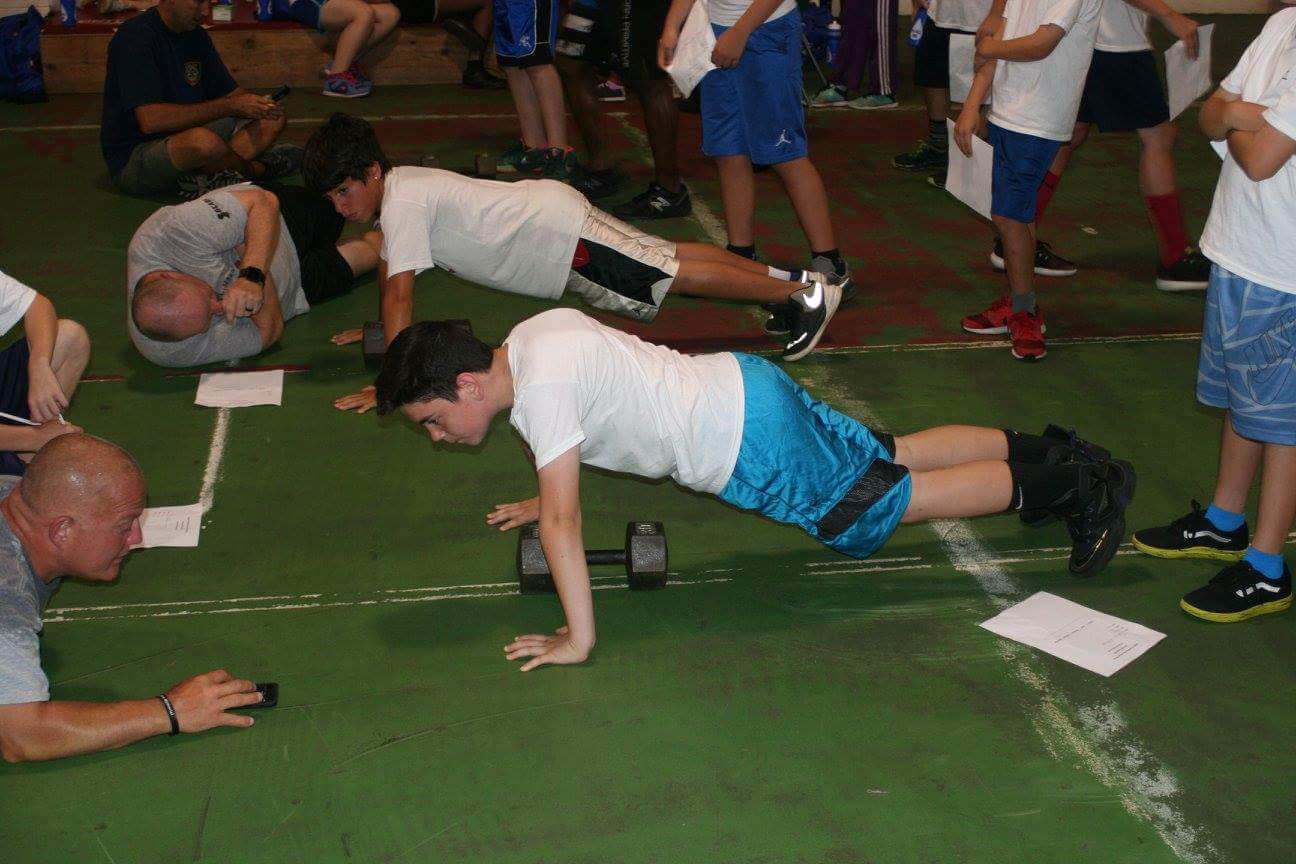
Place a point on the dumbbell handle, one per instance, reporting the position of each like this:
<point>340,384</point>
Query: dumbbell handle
<point>605,556</point>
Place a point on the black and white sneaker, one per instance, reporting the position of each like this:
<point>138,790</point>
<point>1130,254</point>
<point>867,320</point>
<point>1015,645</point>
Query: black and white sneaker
<point>1239,592</point>
<point>656,202</point>
<point>1190,273</point>
<point>782,315</point>
<point>1193,536</point>
<point>815,306</point>
<point>1070,448</point>
<point>1047,262</point>
<point>194,186</point>
<point>597,183</point>
<point>280,161</point>
<point>1097,518</point>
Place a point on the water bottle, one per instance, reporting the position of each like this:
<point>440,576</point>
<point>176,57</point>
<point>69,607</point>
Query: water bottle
<point>263,10</point>
<point>920,22</point>
<point>69,13</point>
<point>834,41</point>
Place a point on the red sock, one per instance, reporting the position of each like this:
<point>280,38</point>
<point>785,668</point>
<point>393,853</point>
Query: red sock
<point>1167,221</point>
<point>1045,194</point>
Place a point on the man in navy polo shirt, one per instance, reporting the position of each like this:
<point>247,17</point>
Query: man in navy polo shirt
<point>173,117</point>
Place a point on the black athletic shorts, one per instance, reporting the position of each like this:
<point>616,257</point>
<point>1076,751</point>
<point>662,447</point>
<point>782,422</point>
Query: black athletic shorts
<point>315,228</point>
<point>417,11</point>
<point>616,35</point>
<point>1123,92</point>
<point>931,59</point>
<point>13,397</point>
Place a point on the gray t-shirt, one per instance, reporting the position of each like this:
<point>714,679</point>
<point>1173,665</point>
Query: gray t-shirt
<point>22,600</point>
<point>201,238</point>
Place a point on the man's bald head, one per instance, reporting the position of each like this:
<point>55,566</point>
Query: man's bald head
<point>170,306</point>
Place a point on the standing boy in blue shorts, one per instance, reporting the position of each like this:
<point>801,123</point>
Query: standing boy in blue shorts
<point>730,425</point>
<point>525,31</point>
<point>1036,61</point>
<point>1248,350</point>
<point>752,113</point>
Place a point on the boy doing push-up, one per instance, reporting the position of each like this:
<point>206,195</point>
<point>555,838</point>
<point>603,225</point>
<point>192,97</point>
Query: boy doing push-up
<point>536,237</point>
<point>731,425</point>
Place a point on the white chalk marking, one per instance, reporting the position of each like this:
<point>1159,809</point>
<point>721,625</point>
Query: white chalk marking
<point>215,453</point>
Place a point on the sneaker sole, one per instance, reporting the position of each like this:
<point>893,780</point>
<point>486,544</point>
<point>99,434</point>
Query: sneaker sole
<point>1204,553</point>
<point>1029,358</point>
<point>1179,285</point>
<point>875,107</point>
<point>830,105</point>
<point>916,168</point>
<point>1229,617</point>
<point>345,95</point>
<point>814,342</point>
<point>997,263</point>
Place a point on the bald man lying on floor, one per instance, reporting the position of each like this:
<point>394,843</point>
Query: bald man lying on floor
<point>76,513</point>
<point>215,279</point>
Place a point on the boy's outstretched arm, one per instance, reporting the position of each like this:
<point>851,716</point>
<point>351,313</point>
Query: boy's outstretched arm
<point>564,548</point>
<point>396,309</point>
<point>1023,49</point>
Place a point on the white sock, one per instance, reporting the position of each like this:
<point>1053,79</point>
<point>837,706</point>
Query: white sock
<point>785,275</point>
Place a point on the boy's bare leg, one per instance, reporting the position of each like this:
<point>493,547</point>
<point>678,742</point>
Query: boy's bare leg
<point>738,192</point>
<point>947,446</point>
<point>1239,459</point>
<point>805,189</point>
<point>720,281</point>
<point>1156,162</point>
<point>661,119</point>
<point>527,105</point>
<point>1277,499</point>
<point>361,253</point>
<point>548,90</point>
<point>580,85</point>
<point>1019,253</point>
<point>970,489</point>
<point>716,255</point>
<point>386,17</point>
<point>256,137</point>
<point>71,355</point>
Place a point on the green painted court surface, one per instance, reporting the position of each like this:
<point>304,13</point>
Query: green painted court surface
<point>776,703</point>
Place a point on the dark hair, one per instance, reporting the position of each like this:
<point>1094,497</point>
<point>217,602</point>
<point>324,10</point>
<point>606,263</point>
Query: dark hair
<point>423,362</point>
<point>341,150</point>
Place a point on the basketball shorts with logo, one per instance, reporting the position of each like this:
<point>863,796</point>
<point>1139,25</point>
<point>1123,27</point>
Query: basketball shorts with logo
<point>755,109</point>
<point>525,31</point>
<point>1123,92</point>
<point>618,35</point>
<point>804,463</point>
<point>1248,357</point>
<point>621,269</point>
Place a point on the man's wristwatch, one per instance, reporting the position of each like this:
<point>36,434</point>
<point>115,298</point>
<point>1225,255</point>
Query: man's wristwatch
<point>253,274</point>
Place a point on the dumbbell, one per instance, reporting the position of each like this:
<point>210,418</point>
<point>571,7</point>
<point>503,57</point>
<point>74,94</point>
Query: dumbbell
<point>372,344</point>
<point>430,161</point>
<point>484,166</point>
<point>644,558</point>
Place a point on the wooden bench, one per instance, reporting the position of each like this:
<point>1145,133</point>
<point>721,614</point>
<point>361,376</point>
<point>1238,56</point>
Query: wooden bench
<point>258,54</point>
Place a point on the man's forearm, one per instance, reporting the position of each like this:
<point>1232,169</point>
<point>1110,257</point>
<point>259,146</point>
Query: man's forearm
<point>261,232</point>
<point>269,318</point>
<point>50,730</point>
<point>173,117</point>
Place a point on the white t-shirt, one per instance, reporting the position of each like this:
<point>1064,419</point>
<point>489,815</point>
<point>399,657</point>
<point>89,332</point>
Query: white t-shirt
<point>516,237</point>
<point>965,15</point>
<point>1042,97</point>
<point>1122,28</point>
<point>631,406</point>
<point>727,12</point>
<point>1251,225</point>
<point>15,299</point>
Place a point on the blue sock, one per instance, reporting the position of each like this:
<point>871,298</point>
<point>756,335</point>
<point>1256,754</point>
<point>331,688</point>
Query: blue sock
<point>1225,520</point>
<point>1270,566</point>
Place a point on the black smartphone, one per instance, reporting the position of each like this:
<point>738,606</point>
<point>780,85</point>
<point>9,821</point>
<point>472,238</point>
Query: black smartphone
<point>270,695</point>
<point>282,93</point>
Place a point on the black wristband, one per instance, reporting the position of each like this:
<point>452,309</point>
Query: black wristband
<point>171,715</point>
<point>253,274</point>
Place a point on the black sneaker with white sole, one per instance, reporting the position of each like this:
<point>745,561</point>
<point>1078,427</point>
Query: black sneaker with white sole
<point>815,306</point>
<point>1239,592</point>
<point>597,183</point>
<point>656,202</point>
<point>1193,536</point>
<point>1047,262</point>
<point>1191,272</point>
<point>194,186</point>
<point>280,161</point>
<point>1070,448</point>
<point>1097,520</point>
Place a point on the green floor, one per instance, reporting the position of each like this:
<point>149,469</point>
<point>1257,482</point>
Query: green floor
<point>777,703</point>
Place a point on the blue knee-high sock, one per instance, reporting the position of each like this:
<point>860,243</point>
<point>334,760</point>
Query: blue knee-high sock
<point>1225,520</point>
<point>1270,566</point>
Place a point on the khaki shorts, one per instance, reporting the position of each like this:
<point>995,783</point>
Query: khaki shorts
<point>149,169</point>
<point>621,269</point>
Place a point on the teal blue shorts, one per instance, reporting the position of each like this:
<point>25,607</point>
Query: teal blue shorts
<point>804,463</point>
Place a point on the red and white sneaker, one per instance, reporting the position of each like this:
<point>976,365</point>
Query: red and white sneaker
<point>1026,329</point>
<point>991,322</point>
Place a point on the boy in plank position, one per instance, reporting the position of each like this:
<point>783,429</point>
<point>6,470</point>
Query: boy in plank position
<point>537,237</point>
<point>731,425</point>
<point>1248,347</point>
<point>1045,47</point>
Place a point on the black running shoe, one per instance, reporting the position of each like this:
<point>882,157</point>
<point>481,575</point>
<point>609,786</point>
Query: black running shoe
<point>1047,262</point>
<point>781,316</point>
<point>597,183</point>
<point>1190,273</point>
<point>924,157</point>
<point>1239,592</point>
<point>1070,448</point>
<point>815,306</point>
<point>656,202</point>
<point>1097,521</point>
<point>1193,536</point>
<point>280,161</point>
<point>937,179</point>
<point>477,77</point>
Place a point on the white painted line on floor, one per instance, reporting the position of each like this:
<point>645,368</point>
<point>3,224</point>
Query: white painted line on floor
<point>215,454</point>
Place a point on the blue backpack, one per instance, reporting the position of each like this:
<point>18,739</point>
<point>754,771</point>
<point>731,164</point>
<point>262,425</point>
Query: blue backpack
<point>20,60</point>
